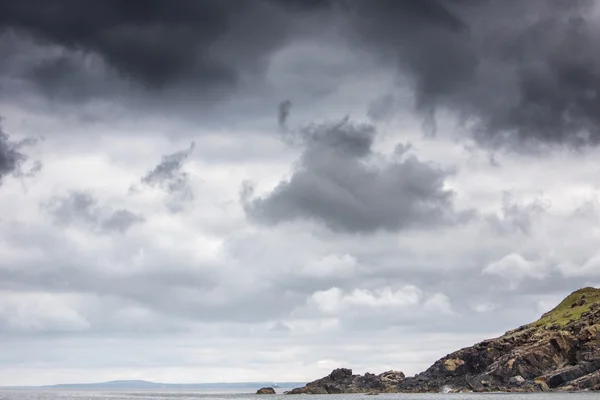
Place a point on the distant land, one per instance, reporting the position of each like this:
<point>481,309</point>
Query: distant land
<point>146,385</point>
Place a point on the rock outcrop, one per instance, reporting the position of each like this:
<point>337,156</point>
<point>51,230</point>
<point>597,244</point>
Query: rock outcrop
<point>266,390</point>
<point>559,352</point>
<point>343,381</point>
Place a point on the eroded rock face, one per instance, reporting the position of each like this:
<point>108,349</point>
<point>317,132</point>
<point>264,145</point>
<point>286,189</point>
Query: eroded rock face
<point>561,351</point>
<point>342,380</point>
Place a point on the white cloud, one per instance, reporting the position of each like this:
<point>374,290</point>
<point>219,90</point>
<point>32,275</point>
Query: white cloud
<point>589,269</point>
<point>484,307</point>
<point>330,266</point>
<point>334,300</point>
<point>515,268</point>
<point>406,300</point>
<point>439,302</point>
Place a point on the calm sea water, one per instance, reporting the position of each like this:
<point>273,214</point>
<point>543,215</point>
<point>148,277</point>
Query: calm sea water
<point>175,395</point>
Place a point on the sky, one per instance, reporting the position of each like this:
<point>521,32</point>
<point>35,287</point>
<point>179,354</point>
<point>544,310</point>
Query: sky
<point>212,191</point>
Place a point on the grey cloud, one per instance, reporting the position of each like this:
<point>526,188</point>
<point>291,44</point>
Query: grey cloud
<point>335,185</point>
<point>135,271</point>
<point>283,113</point>
<point>168,176</point>
<point>158,44</point>
<point>382,108</point>
<point>516,72</point>
<point>70,76</point>
<point>79,207</point>
<point>11,157</point>
<point>121,220</point>
<point>280,327</point>
<point>515,217</point>
<point>274,283</point>
<point>402,148</point>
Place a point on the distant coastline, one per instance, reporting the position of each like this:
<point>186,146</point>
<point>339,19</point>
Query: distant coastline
<point>147,385</point>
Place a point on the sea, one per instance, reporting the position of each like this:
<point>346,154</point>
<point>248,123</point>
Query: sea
<point>210,395</point>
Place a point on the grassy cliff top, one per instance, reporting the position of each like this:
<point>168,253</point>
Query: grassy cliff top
<point>570,309</point>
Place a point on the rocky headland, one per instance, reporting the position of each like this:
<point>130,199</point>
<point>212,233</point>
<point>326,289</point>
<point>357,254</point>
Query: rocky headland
<point>559,352</point>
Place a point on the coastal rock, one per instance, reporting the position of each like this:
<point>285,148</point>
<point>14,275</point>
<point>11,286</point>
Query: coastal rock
<point>516,380</point>
<point>342,380</point>
<point>391,378</point>
<point>559,352</point>
<point>266,390</point>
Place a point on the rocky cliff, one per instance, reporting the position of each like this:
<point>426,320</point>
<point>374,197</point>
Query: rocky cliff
<point>560,351</point>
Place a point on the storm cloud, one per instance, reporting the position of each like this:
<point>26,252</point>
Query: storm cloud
<point>514,72</point>
<point>340,182</point>
<point>12,157</point>
<point>210,45</point>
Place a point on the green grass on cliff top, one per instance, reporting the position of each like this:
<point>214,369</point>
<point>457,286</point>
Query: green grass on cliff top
<point>564,313</point>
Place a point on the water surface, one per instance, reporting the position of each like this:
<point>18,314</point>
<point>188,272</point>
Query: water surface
<point>206,395</point>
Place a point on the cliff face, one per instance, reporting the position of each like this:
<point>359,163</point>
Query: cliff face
<point>560,351</point>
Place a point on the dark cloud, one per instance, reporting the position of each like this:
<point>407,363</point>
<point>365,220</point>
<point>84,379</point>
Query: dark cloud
<point>82,208</point>
<point>71,76</point>
<point>283,113</point>
<point>12,158</point>
<point>513,71</point>
<point>168,176</point>
<point>157,43</point>
<point>341,182</point>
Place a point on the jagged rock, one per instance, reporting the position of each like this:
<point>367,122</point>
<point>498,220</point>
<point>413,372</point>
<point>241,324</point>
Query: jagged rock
<point>342,380</point>
<point>266,390</point>
<point>560,351</point>
<point>561,376</point>
<point>391,378</point>
<point>340,374</point>
<point>516,380</point>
